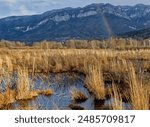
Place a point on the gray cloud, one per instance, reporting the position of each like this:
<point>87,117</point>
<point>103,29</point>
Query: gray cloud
<point>28,7</point>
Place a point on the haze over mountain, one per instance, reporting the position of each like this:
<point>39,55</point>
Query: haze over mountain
<point>95,21</point>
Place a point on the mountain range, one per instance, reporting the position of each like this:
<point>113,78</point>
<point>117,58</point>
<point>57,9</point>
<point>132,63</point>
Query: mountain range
<point>95,21</point>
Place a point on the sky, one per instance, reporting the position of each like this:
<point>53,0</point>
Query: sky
<point>30,7</point>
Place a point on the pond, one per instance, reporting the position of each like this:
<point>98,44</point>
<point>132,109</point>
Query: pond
<point>62,85</point>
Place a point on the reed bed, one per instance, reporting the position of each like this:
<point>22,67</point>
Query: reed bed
<point>125,64</point>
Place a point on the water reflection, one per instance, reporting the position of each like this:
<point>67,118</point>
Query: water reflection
<point>61,85</point>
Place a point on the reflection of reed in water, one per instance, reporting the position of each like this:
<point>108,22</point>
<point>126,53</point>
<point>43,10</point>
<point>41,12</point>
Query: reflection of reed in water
<point>100,105</point>
<point>78,96</point>
<point>26,105</point>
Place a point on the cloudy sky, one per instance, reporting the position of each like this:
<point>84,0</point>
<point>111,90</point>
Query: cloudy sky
<point>29,7</point>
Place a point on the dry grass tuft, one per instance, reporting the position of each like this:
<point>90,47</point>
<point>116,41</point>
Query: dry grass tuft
<point>7,97</point>
<point>45,92</point>
<point>139,95</point>
<point>78,96</point>
<point>23,86</point>
<point>95,83</point>
<point>117,99</point>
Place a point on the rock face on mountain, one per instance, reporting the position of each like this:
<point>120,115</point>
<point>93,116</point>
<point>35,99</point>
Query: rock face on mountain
<point>95,21</point>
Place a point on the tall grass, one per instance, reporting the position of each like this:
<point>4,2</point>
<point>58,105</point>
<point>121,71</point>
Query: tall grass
<point>116,97</point>
<point>139,95</point>
<point>23,86</point>
<point>95,83</point>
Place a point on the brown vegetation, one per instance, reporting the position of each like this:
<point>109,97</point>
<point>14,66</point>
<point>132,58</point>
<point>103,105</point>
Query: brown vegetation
<point>123,62</point>
<point>78,96</point>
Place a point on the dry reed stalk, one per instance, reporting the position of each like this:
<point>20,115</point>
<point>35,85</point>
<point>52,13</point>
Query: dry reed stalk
<point>116,97</point>
<point>139,95</point>
<point>1,100</point>
<point>1,63</point>
<point>23,80</point>
<point>33,68</point>
<point>9,64</point>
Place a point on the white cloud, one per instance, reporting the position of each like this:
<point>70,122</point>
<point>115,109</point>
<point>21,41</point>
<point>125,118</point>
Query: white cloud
<point>23,10</point>
<point>11,1</point>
